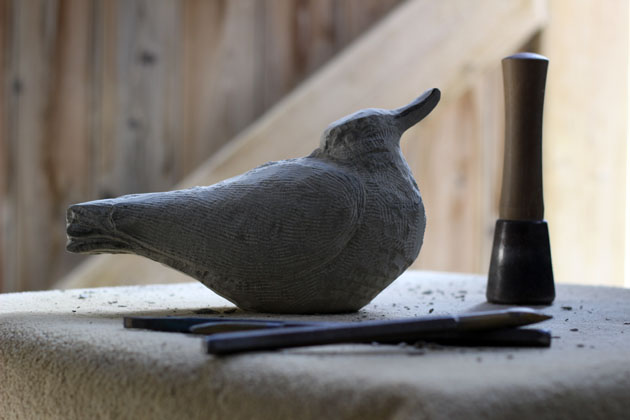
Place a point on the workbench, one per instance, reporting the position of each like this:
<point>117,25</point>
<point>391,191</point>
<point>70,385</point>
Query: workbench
<point>66,355</point>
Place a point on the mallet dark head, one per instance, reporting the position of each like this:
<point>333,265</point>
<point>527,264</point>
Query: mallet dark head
<point>520,267</point>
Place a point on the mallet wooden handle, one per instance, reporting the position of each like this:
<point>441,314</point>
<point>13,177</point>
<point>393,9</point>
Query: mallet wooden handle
<point>524,77</point>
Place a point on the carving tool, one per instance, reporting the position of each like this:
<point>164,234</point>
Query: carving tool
<point>406,330</point>
<point>520,267</point>
<point>233,335</point>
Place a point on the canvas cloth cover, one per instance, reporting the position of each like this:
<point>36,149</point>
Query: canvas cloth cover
<point>66,355</point>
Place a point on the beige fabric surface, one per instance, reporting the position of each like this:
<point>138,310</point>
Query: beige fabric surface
<point>65,355</point>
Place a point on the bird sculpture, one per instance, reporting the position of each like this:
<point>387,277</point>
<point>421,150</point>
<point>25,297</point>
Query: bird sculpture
<point>323,233</point>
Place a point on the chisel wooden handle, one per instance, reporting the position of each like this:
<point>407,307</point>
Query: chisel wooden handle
<point>524,77</point>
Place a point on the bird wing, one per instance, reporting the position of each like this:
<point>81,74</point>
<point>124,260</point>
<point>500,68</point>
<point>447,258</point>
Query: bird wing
<point>279,220</point>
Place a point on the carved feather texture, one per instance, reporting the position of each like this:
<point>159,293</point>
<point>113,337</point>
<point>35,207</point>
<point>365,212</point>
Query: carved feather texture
<point>319,234</point>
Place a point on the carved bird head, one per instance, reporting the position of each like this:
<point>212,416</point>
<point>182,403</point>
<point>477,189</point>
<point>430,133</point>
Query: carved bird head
<point>373,130</point>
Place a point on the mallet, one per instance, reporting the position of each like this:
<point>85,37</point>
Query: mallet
<point>520,266</point>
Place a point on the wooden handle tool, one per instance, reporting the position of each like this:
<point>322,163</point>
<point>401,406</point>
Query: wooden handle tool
<point>520,266</point>
<point>524,77</point>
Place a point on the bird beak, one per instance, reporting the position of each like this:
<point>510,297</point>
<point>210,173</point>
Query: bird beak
<point>90,228</point>
<point>409,115</point>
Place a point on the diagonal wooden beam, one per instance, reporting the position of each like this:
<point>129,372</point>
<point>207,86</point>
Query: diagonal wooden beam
<point>421,44</point>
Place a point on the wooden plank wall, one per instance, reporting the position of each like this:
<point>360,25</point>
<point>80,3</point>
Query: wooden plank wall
<point>586,134</point>
<point>4,22</point>
<point>455,154</point>
<point>457,158</point>
<point>102,98</point>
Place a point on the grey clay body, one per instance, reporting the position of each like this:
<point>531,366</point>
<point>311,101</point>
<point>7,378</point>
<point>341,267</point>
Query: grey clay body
<point>319,234</point>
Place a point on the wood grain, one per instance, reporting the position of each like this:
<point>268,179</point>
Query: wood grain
<point>4,135</point>
<point>147,81</point>
<point>47,125</point>
<point>67,137</point>
<point>459,175</point>
<point>585,135</point>
<point>29,196</point>
<point>453,203</point>
<point>221,68</point>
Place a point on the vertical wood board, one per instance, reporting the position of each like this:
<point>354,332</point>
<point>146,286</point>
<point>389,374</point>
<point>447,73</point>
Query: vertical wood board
<point>585,134</point>
<point>102,98</point>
